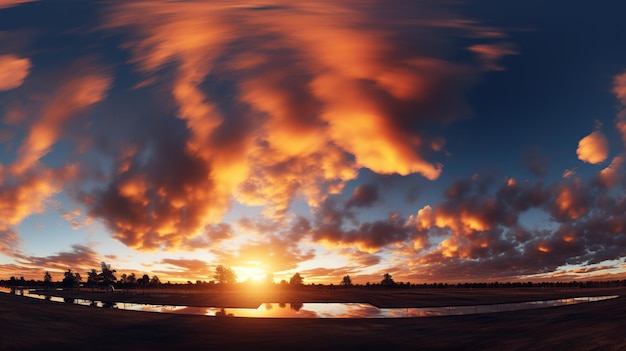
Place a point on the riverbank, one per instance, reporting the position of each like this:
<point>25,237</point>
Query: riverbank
<point>30,324</point>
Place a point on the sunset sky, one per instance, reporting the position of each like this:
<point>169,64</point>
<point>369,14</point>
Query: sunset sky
<point>438,141</point>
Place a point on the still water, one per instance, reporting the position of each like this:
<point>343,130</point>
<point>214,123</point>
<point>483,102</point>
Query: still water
<point>320,310</point>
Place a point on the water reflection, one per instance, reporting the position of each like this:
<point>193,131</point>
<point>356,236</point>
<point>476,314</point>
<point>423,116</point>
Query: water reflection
<point>319,310</point>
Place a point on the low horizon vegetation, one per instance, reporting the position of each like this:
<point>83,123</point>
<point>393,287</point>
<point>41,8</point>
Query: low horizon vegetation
<point>225,276</point>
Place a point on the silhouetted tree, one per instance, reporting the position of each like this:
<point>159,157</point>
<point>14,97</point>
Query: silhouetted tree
<point>225,275</point>
<point>107,274</point>
<point>69,280</point>
<point>296,280</point>
<point>155,281</point>
<point>93,278</point>
<point>144,280</point>
<point>346,281</point>
<point>387,281</point>
<point>131,279</point>
<point>47,278</point>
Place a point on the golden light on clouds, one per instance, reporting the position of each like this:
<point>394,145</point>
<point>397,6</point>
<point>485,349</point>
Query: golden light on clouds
<point>594,148</point>
<point>277,136</point>
<point>13,70</point>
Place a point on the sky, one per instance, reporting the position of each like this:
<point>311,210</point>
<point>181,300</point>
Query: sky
<point>438,141</point>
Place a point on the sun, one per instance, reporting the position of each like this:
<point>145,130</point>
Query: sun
<point>255,273</point>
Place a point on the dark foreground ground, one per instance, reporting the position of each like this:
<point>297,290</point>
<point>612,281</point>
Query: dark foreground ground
<point>29,324</point>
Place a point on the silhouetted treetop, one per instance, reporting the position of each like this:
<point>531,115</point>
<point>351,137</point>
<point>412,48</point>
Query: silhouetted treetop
<point>225,275</point>
<point>387,281</point>
<point>296,280</point>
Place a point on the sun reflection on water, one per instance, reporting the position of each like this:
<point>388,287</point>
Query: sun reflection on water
<point>317,310</point>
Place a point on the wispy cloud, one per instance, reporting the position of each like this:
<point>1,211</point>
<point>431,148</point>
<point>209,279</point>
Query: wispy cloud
<point>13,71</point>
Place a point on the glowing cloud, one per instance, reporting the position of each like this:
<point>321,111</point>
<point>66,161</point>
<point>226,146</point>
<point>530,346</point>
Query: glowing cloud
<point>13,71</point>
<point>318,91</point>
<point>594,148</point>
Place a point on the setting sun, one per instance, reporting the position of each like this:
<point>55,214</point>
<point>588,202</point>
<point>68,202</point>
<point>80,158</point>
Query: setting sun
<point>250,274</point>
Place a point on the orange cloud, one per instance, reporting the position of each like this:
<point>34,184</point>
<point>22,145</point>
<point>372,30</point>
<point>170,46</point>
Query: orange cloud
<point>9,3</point>
<point>13,71</point>
<point>570,202</point>
<point>594,148</point>
<point>610,176</point>
<point>320,93</point>
<point>26,184</point>
<point>73,95</point>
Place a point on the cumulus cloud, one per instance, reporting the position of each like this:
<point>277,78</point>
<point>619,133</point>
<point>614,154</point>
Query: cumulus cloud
<point>594,148</point>
<point>278,104</point>
<point>482,231</point>
<point>13,71</point>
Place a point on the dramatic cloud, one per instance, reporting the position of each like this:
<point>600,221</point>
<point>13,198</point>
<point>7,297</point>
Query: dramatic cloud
<point>13,71</point>
<point>26,183</point>
<point>280,102</point>
<point>483,233</point>
<point>594,148</point>
<point>232,131</point>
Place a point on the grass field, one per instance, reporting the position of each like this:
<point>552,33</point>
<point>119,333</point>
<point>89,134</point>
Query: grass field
<point>30,324</point>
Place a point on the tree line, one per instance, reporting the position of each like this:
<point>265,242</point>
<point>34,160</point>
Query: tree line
<point>106,278</point>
